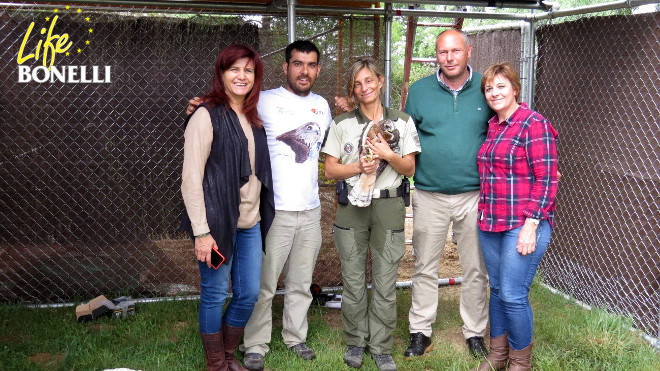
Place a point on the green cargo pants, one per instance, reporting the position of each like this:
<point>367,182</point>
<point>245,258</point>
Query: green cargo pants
<point>381,227</point>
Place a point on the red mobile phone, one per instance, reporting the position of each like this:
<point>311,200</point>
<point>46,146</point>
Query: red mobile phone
<point>216,258</point>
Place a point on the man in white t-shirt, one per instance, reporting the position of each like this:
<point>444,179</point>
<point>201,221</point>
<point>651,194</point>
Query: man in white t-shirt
<point>296,121</point>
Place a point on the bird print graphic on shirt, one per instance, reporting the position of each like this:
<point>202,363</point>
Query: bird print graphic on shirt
<point>303,141</point>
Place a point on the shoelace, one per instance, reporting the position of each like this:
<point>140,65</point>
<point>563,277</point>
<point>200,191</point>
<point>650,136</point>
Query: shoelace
<point>417,341</point>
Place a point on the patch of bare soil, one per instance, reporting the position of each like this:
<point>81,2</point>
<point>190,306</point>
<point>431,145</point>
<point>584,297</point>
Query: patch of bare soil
<point>453,336</point>
<point>178,327</point>
<point>333,319</point>
<point>47,361</point>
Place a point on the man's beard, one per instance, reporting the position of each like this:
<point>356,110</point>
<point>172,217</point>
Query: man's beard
<point>297,90</point>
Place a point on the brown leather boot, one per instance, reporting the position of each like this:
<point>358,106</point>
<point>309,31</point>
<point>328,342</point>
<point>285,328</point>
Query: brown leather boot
<point>499,354</point>
<point>214,351</point>
<point>520,360</point>
<point>232,336</point>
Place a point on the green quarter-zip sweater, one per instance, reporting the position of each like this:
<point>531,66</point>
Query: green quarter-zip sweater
<point>451,126</point>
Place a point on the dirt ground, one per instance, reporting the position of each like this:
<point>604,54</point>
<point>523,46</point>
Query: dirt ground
<point>147,268</point>
<point>327,267</point>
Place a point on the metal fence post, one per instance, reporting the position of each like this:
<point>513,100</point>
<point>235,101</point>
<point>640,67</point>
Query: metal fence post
<point>291,19</point>
<point>531,56</point>
<point>388,52</point>
<point>524,58</point>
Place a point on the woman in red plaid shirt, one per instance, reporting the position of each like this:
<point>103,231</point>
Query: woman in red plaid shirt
<point>518,175</point>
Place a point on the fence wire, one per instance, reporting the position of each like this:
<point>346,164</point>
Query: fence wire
<point>90,173</point>
<point>598,82</point>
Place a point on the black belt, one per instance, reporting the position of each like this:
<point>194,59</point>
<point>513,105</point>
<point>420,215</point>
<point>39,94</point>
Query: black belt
<point>386,193</point>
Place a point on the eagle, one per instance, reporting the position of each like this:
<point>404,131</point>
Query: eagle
<point>303,140</point>
<point>362,192</point>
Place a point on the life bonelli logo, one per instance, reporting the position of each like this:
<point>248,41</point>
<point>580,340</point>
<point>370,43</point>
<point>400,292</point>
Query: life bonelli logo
<point>50,45</point>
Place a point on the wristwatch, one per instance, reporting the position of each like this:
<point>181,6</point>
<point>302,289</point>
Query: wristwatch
<point>535,221</point>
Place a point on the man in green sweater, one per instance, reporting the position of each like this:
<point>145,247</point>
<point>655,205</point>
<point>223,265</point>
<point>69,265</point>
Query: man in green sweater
<point>451,116</point>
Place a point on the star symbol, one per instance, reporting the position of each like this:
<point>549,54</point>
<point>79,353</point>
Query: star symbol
<point>90,30</point>
<point>79,10</point>
<point>56,10</point>
<point>67,7</point>
<point>79,50</point>
<point>47,19</point>
<point>67,54</point>
<point>87,42</point>
<point>87,19</point>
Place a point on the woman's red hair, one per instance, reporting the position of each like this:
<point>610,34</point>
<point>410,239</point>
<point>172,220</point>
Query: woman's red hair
<point>227,57</point>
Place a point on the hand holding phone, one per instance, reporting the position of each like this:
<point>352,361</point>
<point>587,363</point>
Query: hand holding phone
<point>211,256</point>
<point>216,258</point>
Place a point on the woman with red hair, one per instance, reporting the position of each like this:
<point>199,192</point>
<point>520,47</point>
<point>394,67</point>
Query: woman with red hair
<point>228,193</point>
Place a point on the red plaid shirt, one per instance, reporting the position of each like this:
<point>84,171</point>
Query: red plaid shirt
<point>517,171</point>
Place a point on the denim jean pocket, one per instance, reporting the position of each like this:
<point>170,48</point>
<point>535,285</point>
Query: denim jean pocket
<point>395,245</point>
<point>345,242</point>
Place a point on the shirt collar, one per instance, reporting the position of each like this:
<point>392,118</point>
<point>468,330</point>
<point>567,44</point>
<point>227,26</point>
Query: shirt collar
<point>363,119</point>
<point>515,116</point>
<point>442,83</point>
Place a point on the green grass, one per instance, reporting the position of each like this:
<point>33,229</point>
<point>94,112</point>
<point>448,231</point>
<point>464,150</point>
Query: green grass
<point>164,336</point>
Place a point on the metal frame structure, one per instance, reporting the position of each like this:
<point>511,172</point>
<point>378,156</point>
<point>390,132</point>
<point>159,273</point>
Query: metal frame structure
<point>549,10</point>
<point>539,10</point>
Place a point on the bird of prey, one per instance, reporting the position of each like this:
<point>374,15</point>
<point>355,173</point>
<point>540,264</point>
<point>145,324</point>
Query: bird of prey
<point>303,141</point>
<point>362,192</point>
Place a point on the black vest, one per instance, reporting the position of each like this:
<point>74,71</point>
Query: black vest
<point>227,170</point>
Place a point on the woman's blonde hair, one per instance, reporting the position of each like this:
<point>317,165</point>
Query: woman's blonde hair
<point>364,62</point>
<point>506,70</point>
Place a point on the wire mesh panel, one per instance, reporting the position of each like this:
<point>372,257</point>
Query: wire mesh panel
<point>598,83</point>
<point>91,150</point>
<point>90,176</point>
<point>493,47</point>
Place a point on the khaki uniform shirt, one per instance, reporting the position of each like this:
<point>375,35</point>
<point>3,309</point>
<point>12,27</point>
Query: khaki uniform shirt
<point>345,135</point>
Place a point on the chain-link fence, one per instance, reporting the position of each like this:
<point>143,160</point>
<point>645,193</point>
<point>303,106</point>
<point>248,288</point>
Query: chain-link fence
<point>598,82</point>
<point>90,172</point>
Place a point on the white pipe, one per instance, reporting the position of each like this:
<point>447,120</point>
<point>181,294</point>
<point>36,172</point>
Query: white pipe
<point>103,4</point>
<point>524,45</point>
<point>619,4</point>
<point>139,300</point>
<point>484,3</point>
<point>401,284</point>
<point>202,5</point>
<point>494,27</point>
<point>530,64</point>
<point>291,19</point>
<point>388,53</point>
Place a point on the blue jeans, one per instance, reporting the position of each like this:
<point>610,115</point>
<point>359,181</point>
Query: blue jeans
<point>511,274</point>
<point>245,269</point>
